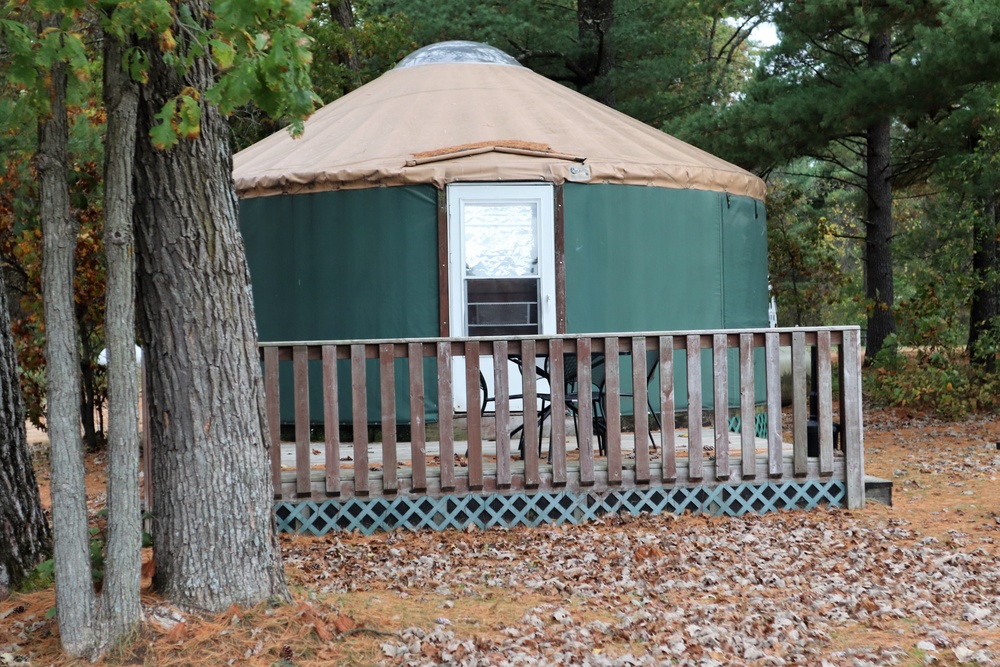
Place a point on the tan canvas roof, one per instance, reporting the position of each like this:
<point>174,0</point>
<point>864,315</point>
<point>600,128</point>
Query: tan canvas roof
<point>444,122</point>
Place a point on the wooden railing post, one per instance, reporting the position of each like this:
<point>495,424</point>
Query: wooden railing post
<point>772,362</point>
<point>720,382</point>
<point>475,453</point>
<point>331,419</point>
<point>800,410</point>
<point>640,400</point>
<point>300,377</point>
<point>445,421</point>
<point>668,447</point>
<point>695,454</point>
<point>359,398</point>
<point>585,405</point>
<point>824,388</point>
<point>557,384</point>
<point>501,395</point>
<point>613,411</point>
<point>854,448</point>
<point>748,446</point>
<point>387,393</point>
<point>530,434</point>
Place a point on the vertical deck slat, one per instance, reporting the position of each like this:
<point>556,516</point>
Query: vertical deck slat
<point>529,390</point>
<point>446,424</point>
<point>475,452</point>
<point>359,421</point>
<point>695,454</point>
<point>640,400</point>
<point>557,375</point>
<point>668,444</point>
<point>824,387</point>
<point>300,375</point>
<point>747,445</point>
<point>772,363</point>
<point>331,419</point>
<point>501,394</point>
<point>613,410</point>
<point>387,388</point>
<point>800,406</point>
<point>585,405</point>
<point>854,448</point>
<point>273,408</point>
<point>720,383</point>
<point>418,427</point>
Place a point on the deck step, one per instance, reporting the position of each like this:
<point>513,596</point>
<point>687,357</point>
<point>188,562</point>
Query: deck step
<point>878,490</point>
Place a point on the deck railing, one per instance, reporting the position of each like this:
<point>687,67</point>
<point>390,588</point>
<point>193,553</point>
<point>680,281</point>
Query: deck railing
<point>834,408</point>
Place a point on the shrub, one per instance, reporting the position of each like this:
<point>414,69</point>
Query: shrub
<point>937,380</point>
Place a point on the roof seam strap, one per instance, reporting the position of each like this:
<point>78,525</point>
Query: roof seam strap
<point>416,161</point>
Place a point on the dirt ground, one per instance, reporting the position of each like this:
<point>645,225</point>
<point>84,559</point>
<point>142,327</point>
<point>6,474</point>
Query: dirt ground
<point>914,584</point>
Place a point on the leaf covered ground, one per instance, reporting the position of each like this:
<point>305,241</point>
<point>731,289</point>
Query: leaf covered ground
<point>915,584</point>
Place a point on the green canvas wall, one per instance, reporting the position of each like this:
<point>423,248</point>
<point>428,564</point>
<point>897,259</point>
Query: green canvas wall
<point>654,259</point>
<point>362,264</point>
<point>345,265</point>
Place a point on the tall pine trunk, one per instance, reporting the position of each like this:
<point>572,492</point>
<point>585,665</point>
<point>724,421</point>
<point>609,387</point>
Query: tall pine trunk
<point>878,235</point>
<point>595,19</point>
<point>213,527</point>
<point>984,313</point>
<point>75,599</point>
<point>25,540</point>
<point>121,609</point>
<point>342,13</point>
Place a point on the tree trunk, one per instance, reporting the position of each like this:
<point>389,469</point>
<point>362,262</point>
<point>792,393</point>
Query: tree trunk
<point>25,540</point>
<point>984,313</point>
<point>594,23</point>
<point>88,387</point>
<point>74,583</point>
<point>121,609</point>
<point>342,13</point>
<point>213,527</point>
<point>878,237</point>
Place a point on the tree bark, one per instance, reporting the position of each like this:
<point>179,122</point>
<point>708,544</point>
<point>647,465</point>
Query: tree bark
<point>74,583</point>
<point>213,527</point>
<point>25,540</point>
<point>342,13</point>
<point>88,387</point>
<point>878,238</point>
<point>984,312</point>
<point>121,609</point>
<point>594,23</point>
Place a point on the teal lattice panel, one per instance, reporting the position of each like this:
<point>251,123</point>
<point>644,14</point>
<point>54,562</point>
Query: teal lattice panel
<point>522,509</point>
<point>759,424</point>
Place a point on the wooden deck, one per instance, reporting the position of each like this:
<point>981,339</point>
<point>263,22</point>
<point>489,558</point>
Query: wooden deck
<point>466,455</point>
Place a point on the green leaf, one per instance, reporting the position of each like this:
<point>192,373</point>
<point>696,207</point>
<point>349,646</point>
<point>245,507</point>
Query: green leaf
<point>163,134</point>
<point>189,117</point>
<point>223,53</point>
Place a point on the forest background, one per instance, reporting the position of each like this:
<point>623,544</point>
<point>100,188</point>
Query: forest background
<point>875,124</point>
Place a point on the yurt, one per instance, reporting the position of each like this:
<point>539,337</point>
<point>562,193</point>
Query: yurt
<point>462,194</point>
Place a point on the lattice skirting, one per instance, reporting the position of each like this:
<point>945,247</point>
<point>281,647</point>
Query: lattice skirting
<point>522,509</point>
<point>759,424</point>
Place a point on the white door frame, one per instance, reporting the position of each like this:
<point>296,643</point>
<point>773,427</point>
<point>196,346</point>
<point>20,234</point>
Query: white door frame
<point>541,195</point>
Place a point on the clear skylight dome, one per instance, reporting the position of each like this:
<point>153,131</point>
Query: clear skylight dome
<point>457,51</point>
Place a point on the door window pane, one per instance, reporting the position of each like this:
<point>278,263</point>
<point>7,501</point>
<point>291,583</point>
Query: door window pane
<point>500,240</point>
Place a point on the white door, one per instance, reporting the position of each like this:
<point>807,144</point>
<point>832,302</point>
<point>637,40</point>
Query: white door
<point>501,268</point>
